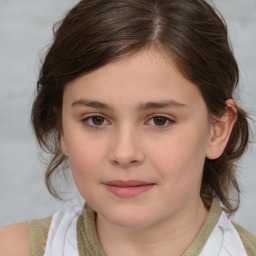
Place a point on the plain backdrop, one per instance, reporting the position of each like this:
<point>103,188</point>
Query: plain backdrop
<point>25,31</point>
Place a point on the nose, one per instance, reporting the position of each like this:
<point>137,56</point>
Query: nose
<point>126,149</point>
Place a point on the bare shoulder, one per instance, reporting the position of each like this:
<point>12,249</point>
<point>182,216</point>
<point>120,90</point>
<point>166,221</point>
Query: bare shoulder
<point>14,239</point>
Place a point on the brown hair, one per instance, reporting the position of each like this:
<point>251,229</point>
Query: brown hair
<point>96,32</point>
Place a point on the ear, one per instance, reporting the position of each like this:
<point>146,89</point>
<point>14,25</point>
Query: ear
<point>221,131</point>
<point>63,145</point>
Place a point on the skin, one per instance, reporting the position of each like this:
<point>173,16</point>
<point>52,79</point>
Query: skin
<point>128,142</point>
<point>14,240</point>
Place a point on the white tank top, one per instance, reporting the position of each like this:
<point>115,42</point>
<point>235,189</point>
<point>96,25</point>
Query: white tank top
<point>62,239</point>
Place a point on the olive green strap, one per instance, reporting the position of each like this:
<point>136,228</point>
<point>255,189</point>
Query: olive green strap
<point>200,240</point>
<point>87,240</point>
<point>248,240</point>
<point>38,236</point>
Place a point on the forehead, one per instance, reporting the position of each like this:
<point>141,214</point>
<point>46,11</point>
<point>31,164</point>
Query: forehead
<point>147,75</point>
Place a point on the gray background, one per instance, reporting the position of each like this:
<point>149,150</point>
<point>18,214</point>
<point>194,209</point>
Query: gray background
<point>25,30</point>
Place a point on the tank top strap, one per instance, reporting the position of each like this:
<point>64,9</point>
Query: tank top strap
<point>55,235</point>
<point>38,236</point>
<point>88,243</point>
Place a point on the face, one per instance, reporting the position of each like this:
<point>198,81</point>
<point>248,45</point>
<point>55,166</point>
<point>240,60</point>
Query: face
<point>136,133</point>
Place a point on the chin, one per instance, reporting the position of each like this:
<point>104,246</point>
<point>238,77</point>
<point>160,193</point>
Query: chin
<point>128,219</point>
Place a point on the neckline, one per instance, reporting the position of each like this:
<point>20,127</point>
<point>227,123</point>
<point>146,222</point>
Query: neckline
<point>89,245</point>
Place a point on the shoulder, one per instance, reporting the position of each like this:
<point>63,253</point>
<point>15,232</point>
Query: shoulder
<point>14,239</point>
<point>248,239</point>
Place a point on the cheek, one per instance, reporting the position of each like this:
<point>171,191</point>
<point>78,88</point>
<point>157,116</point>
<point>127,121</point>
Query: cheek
<point>84,168</point>
<point>84,158</point>
<point>180,159</point>
<point>179,165</point>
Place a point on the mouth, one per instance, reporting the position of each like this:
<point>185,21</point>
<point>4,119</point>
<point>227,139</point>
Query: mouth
<point>129,188</point>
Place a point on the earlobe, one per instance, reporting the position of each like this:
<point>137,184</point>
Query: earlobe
<point>221,131</point>
<point>63,145</point>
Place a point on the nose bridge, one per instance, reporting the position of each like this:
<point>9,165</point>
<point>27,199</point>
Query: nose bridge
<point>126,148</point>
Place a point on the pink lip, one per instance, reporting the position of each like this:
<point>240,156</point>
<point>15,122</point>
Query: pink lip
<point>129,188</point>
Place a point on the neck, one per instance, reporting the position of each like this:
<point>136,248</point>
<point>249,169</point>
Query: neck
<point>171,236</point>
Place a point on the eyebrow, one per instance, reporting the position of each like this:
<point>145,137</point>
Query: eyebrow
<point>160,104</point>
<point>92,104</point>
<point>142,106</point>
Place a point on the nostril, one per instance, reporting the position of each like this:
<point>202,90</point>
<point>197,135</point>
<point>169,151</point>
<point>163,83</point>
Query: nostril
<point>115,162</point>
<point>128,163</point>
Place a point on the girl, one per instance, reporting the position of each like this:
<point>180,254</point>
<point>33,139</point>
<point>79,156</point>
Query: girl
<point>137,98</point>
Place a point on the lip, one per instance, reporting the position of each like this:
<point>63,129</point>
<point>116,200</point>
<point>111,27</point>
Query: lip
<point>129,188</point>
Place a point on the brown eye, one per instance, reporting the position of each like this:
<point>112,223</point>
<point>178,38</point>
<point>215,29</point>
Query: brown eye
<point>97,120</point>
<point>160,120</point>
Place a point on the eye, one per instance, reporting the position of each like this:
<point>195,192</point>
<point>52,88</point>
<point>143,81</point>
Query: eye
<point>160,121</point>
<point>95,121</point>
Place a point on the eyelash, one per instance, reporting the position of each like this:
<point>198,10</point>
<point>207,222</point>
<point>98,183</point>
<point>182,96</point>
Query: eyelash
<point>167,121</point>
